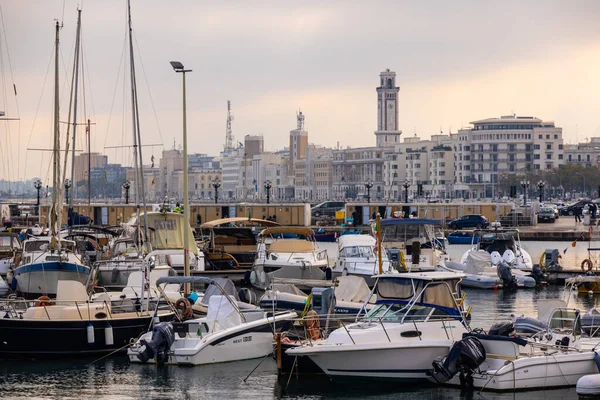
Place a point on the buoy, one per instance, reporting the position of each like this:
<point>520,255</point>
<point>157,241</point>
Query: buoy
<point>90,333</point>
<point>108,335</point>
<point>155,319</point>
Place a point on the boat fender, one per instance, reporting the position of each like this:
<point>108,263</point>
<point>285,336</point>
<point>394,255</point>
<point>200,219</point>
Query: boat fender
<point>114,276</point>
<point>597,360</point>
<point>328,274</point>
<point>109,339</point>
<point>252,277</point>
<point>90,333</point>
<point>586,265</point>
<point>43,301</point>
<point>403,260</point>
<point>184,305</point>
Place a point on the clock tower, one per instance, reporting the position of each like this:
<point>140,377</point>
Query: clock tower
<point>387,132</point>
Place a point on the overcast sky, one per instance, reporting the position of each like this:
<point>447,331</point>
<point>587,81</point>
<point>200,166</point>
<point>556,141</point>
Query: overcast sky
<point>456,62</point>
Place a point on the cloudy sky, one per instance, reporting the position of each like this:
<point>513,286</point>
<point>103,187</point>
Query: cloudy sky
<point>456,61</point>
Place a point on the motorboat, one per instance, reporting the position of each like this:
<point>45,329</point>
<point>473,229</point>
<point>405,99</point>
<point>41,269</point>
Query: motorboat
<point>497,361</point>
<point>501,240</point>
<point>321,235</point>
<point>288,252</point>
<point>410,243</point>
<point>588,386</point>
<point>72,325</point>
<point>491,271</point>
<point>462,237</point>
<point>349,296</point>
<point>10,251</point>
<point>585,284</point>
<point>357,256</point>
<point>231,242</point>
<point>47,260</point>
<point>417,317</point>
<point>225,334</point>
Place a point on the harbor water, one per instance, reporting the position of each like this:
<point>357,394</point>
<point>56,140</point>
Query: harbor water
<point>115,378</point>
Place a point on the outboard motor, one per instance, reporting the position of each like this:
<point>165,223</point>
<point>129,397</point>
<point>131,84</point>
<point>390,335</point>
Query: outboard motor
<point>508,280</point>
<point>496,258</point>
<point>323,300</point>
<point>415,252</point>
<point>537,274</point>
<point>159,346</point>
<point>464,357</point>
<point>503,328</point>
<point>551,261</point>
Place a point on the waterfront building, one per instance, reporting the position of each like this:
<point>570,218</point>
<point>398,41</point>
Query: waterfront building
<point>585,153</point>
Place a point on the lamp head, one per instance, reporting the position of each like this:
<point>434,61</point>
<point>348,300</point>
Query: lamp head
<point>177,66</point>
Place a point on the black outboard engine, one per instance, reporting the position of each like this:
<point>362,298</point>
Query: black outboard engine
<point>464,357</point>
<point>159,346</point>
<point>538,274</point>
<point>508,280</point>
<point>247,296</point>
<point>503,328</point>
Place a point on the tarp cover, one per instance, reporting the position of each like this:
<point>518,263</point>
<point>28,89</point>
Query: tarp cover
<point>213,290</point>
<point>221,313</point>
<point>287,288</point>
<point>166,231</point>
<point>352,288</point>
<point>477,261</point>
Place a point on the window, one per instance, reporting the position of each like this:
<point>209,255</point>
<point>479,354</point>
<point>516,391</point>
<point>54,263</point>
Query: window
<point>549,146</point>
<point>540,136</point>
<point>511,157</point>
<point>560,156</point>
<point>494,147</point>
<point>511,167</point>
<point>417,165</point>
<point>536,156</point>
<point>555,136</point>
<point>536,166</point>
<point>528,147</point>
<point>467,167</point>
<point>511,147</point>
<point>548,156</point>
<point>560,146</point>
<point>536,147</point>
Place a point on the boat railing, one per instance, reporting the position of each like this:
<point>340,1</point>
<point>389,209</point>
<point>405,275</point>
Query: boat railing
<point>83,310</point>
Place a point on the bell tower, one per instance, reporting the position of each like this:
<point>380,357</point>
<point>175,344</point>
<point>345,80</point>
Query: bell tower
<point>387,132</point>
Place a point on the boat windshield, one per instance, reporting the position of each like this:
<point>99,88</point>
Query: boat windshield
<point>122,247</point>
<point>402,313</point>
<point>358,251</point>
<point>41,245</point>
<point>5,241</point>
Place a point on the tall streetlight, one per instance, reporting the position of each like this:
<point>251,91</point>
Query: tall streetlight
<point>68,185</point>
<point>38,186</point>
<point>179,68</point>
<point>406,185</point>
<point>583,176</point>
<point>216,184</point>
<point>559,182</point>
<point>268,186</point>
<point>127,186</point>
<point>540,186</point>
<point>369,185</point>
<point>524,185</point>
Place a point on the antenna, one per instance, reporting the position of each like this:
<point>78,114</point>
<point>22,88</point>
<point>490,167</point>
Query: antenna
<point>228,133</point>
<point>300,120</point>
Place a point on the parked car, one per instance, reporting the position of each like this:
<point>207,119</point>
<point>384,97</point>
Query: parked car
<point>469,221</point>
<point>546,214</point>
<point>575,207</point>
<point>554,208</point>
<point>327,209</point>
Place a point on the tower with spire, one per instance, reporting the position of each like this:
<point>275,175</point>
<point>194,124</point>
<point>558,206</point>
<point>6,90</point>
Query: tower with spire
<point>387,133</point>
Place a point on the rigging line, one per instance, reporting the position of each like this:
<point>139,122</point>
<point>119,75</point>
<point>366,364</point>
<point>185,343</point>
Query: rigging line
<point>148,88</point>
<point>38,109</point>
<point>115,92</point>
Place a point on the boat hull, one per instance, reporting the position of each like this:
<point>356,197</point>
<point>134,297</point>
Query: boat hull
<point>42,279</point>
<point>21,338</point>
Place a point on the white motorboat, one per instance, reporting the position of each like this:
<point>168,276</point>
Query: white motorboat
<point>10,247</point>
<point>501,240</point>
<point>555,357</point>
<point>349,296</point>
<point>288,252</point>
<point>357,256</point>
<point>44,263</point>
<point>225,334</point>
<point>411,244</point>
<point>418,317</point>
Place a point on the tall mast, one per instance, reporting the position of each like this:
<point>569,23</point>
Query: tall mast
<point>55,213</point>
<point>89,169</point>
<point>75,87</point>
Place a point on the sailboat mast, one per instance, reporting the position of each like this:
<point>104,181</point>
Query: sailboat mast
<point>56,146</point>
<point>89,182</point>
<point>75,87</point>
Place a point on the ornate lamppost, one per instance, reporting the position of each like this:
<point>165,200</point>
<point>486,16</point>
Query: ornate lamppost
<point>216,184</point>
<point>38,186</point>
<point>126,186</point>
<point>406,185</point>
<point>540,186</point>
<point>268,186</point>
<point>68,185</point>
<point>369,185</point>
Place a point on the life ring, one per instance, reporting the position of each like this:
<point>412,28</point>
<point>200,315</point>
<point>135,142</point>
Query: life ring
<point>403,260</point>
<point>185,306</point>
<point>312,325</point>
<point>586,265</point>
<point>43,301</point>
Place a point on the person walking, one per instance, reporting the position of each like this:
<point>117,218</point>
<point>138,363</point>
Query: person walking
<point>577,213</point>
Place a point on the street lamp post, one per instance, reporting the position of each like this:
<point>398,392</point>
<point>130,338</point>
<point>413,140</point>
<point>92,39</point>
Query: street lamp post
<point>369,185</point>
<point>179,68</point>
<point>216,184</point>
<point>583,176</point>
<point>540,186</point>
<point>127,186</point>
<point>406,185</point>
<point>38,186</point>
<point>268,189</point>
<point>524,185</point>
<point>68,185</point>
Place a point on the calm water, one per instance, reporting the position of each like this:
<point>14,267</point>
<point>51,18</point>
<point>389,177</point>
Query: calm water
<point>115,378</point>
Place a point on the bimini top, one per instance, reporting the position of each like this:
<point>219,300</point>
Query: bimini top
<point>424,276</point>
<point>295,230</point>
<point>410,221</point>
<point>244,220</point>
<point>356,240</point>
